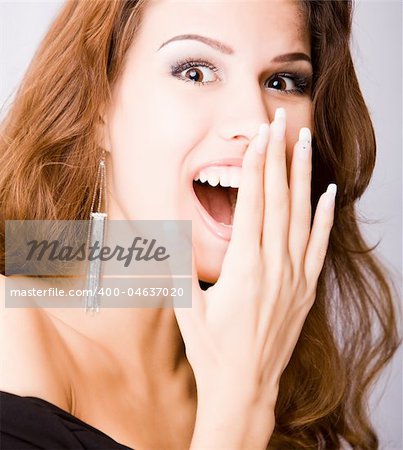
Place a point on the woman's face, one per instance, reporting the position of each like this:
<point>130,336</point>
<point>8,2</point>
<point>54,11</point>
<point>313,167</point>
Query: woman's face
<point>164,125</point>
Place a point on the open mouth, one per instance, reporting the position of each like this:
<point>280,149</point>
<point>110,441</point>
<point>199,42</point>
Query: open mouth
<point>217,192</point>
<point>218,201</point>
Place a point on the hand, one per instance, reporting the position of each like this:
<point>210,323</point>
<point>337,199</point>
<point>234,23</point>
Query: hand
<point>241,332</point>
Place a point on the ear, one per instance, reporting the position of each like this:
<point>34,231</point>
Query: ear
<point>103,131</point>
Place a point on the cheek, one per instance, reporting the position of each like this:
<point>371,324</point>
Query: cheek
<point>152,130</point>
<point>177,109</point>
<point>151,122</point>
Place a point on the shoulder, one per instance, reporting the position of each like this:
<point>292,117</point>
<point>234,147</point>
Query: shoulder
<point>28,423</point>
<point>28,354</point>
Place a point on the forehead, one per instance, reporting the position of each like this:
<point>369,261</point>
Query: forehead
<point>244,24</point>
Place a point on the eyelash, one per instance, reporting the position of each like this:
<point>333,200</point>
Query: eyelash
<point>301,81</point>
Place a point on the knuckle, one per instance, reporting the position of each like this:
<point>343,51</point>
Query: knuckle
<point>310,291</point>
<point>298,281</point>
<point>305,301</point>
<point>321,253</point>
<point>248,263</point>
<point>274,275</point>
<point>277,153</point>
<point>328,219</point>
<point>288,274</point>
<point>310,299</point>
<point>305,170</point>
<point>281,201</point>
<point>307,214</point>
<point>305,219</point>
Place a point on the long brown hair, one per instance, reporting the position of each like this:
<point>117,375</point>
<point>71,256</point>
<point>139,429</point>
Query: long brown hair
<point>48,161</point>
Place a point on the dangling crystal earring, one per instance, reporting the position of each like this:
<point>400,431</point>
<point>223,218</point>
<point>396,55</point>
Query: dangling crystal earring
<point>96,232</point>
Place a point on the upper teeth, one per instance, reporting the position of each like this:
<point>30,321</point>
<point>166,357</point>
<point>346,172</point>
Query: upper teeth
<point>224,175</point>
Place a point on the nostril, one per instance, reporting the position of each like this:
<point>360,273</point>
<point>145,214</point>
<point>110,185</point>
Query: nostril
<point>243,139</point>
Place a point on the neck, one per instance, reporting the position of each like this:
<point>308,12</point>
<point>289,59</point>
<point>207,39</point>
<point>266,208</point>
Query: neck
<point>145,341</point>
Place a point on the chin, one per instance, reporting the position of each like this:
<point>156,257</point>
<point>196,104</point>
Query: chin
<point>210,253</point>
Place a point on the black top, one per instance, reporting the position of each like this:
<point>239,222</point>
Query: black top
<point>33,423</point>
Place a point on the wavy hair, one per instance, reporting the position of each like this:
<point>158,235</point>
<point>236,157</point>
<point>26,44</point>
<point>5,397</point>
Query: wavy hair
<point>48,165</point>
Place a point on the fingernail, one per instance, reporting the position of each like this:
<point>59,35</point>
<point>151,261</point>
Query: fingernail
<point>280,113</point>
<point>278,125</point>
<point>330,195</point>
<point>305,134</point>
<point>304,144</point>
<point>263,137</point>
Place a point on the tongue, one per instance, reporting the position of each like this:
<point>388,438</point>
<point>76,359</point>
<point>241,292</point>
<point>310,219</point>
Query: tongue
<point>218,201</point>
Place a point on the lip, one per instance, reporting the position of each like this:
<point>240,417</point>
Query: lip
<point>218,162</point>
<point>222,231</point>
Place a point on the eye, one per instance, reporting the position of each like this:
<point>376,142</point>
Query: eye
<point>199,72</point>
<point>298,84</point>
<point>280,84</point>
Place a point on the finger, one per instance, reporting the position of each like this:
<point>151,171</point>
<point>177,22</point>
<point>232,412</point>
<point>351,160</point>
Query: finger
<point>300,191</point>
<point>319,240</point>
<point>248,214</point>
<point>276,213</point>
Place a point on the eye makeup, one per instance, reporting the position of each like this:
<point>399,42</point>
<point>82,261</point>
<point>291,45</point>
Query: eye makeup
<point>187,63</point>
<point>301,81</point>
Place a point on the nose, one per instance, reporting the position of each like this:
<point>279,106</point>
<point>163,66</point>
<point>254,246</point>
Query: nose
<point>241,112</point>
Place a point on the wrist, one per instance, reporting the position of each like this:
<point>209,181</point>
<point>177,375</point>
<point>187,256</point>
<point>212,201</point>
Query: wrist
<point>234,416</point>
<point>242,390</point>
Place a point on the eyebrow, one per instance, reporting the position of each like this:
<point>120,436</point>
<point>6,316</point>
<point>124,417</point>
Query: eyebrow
<point>227,50</point>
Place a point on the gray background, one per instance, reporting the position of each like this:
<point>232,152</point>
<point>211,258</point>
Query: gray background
<point>377,51</point>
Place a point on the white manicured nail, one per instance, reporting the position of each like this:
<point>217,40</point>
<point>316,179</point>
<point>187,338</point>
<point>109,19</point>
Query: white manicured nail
<point>305,134</point>
<point>280,113</point>
<point>278,125</point>
<point>304,143</point>
<point>330,195</point>
<point>263,137</point>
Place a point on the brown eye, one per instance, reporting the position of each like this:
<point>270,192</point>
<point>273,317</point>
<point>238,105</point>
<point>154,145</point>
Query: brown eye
<point>198,72</point>
<point>280,84</point>
<point>291,83</point>
<point>197,75</point>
